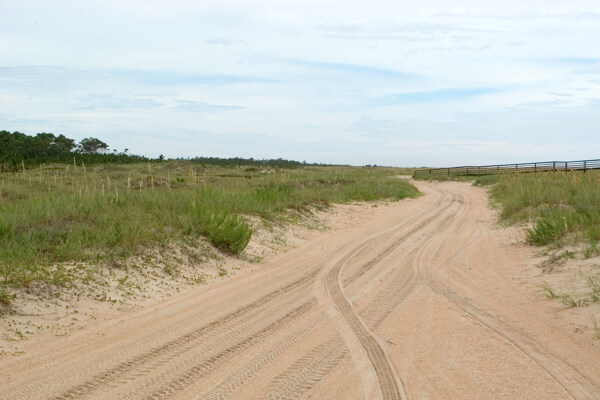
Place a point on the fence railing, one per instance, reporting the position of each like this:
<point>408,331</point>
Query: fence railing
<point>468,170</point>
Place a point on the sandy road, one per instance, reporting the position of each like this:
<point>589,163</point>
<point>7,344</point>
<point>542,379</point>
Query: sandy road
<point>426,299</point>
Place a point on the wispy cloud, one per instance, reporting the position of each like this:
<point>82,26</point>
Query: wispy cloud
<point>56,76</point>
<point>171,78</point>
<point>110,101</point>
<point>200,107</point>
<point>434,96</point>
<point>355,69</point>
<point>573,60</point>
<point>218,41</point>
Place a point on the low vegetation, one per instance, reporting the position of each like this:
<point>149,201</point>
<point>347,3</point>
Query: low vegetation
<point>564,207</point>
<point>562,210</point>
<point>59,213</point>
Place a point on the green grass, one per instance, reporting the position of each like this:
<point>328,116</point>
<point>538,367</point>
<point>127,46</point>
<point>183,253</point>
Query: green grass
<point>589,293</point>
<point>595,326</point>
<point>564,207</point>
<point>60,213</point>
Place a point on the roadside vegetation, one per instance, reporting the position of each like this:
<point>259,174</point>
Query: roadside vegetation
<point>564,207</point>
<point>58,213</point>
<point>562,213</point>
<point>563,210</point>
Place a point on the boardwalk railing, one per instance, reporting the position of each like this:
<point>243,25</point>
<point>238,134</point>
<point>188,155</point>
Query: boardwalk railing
<point>582,165</point>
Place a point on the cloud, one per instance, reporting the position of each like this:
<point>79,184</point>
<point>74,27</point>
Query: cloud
<point>410,30</point>
<point>5,119</point>
<point>63,77</point>
<point>201,107</point>
<point>574,60</point>
<point>558,94</point>
<point>355,69</point>
<point>434,96</point>
<point>110,101</point>
<point>218,41</point>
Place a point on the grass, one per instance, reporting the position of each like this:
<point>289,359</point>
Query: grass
<point>589,293</point>
<point>563,207</point>
<point>595,326</point>
<point>559,209</point>
<point>549,292</point>
<point>593,285</point>
<point>65,213</point>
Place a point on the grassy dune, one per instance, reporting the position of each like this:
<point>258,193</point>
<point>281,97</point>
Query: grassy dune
<point>563,206</point>
<point>61,213</point>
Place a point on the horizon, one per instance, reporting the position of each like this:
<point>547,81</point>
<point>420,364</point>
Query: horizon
<point>472,83</point>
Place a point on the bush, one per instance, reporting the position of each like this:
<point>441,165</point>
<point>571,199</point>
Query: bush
<point>227,231</point>
<point>547,230</point>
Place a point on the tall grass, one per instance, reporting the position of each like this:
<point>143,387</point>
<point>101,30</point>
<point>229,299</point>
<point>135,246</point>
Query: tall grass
<point>61,213</point>
<point>562,206</point>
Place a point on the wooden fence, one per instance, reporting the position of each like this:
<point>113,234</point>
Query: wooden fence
<point>582,165</point>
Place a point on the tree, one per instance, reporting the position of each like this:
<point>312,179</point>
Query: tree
<point>62,145</point>
<point>91,146</point>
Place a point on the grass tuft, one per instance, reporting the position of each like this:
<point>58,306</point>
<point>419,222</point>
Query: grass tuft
<point>549,292</point>
<point>593,285</point>
<point>595,326</point>
<point>5,296</point>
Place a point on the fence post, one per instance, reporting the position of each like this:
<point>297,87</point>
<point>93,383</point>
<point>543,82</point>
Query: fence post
<point>584,165</point>
<point>534,167</point>
<point>553,165</point>
<point>467,171</point>
<point>448,171</point>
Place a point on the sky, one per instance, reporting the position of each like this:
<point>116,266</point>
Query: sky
<point>400,83</point>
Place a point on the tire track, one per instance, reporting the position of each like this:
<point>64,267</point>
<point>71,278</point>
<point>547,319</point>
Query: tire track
<point>237,379</point>
<point>381,255</point>
<point>573,381</point>
<point>390,389</point>
<point>389,298</point>
<point>205,367</point>
<point>171,346</point>
<point>322,359</point>
<point>309,370</point>
<point>219,337</point>
<point>388,382</point>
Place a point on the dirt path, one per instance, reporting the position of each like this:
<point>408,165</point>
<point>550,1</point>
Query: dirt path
<point>426,298</point>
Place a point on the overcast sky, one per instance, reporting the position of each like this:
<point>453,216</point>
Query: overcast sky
<point>405,83</point>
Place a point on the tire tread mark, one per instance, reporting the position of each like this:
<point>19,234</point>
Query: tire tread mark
<point>206,366</point>
<point>119,369</point>
<point>307,371</point>
<point>574,382</point>
<point>238,378</point>
<point>381,365</point>
<point>370,264</point>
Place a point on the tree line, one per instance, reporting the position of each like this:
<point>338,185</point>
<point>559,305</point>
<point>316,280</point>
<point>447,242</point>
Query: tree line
<point>18,150</point>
